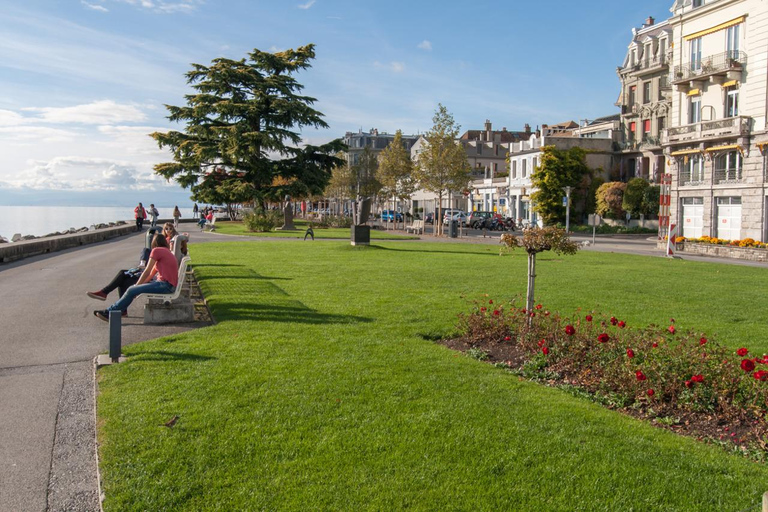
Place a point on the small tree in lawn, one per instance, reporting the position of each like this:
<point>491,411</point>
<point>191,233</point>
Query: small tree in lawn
<point>559,169</point>
<point>443,165</point>
<point>364,174</point>
<point>534,241</point>
<point>610,197</point>
<point>341,185</point>
<point>395,171</point>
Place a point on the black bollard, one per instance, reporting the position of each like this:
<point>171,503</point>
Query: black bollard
<point>115,321</point>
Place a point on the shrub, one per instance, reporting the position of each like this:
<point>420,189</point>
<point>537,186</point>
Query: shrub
<point>610,197</point>
<point>260,221</point>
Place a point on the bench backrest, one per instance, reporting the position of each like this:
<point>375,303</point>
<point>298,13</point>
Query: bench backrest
<point>176,242</point>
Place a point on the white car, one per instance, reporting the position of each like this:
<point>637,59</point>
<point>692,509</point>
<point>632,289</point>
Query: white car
<point>457,215</point>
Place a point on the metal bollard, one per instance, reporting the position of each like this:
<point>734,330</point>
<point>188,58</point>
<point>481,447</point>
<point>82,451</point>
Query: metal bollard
<point>115,323</point>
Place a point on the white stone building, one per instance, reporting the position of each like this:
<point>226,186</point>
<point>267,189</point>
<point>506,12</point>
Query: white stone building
<point>716,141</point>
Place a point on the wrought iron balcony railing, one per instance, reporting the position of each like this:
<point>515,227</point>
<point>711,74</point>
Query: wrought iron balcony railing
<point>646,64</point>
<point>726,175</point>
<point>730,126</point>
<point>710,65</point>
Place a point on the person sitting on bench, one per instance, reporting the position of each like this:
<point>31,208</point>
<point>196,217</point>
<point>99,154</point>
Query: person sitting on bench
<point>160,276</point>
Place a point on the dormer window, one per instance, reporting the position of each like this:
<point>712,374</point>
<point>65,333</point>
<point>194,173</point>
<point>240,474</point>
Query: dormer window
<point>697,3</point>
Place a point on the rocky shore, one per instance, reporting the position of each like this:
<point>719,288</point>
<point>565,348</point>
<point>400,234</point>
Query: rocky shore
<point>18,237</point>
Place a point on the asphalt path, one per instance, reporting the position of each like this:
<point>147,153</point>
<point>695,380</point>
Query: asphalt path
<point>49,337</point>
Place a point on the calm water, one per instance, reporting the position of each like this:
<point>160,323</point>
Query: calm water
<point>41,220</point>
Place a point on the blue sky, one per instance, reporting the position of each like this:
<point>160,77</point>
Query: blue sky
<point>83,82</point>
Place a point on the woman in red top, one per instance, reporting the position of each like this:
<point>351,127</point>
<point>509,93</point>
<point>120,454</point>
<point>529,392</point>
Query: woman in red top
<point>140,214</point>
<point>160,276</point>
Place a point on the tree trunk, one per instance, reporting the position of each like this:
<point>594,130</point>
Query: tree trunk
<point>531,283</point>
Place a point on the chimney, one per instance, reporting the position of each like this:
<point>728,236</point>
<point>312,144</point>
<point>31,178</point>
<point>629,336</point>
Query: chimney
<point>527,128</point>
<point>649,22</point>
<point>504,129</point>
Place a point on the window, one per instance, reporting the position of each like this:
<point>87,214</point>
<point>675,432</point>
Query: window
<point>728,167</point>
<point>479,148</point>
<point>732,41</point>
<point>691,169</point>
<point>514,169</point>
<point>631,97</point>
<point>695,47</point>
<point>535,163</point>
<point>731,102</point>
<point>694,110</point>
<point>646,92</point>
<point>697,3</point>
<point>646,129</point>
<point>525,171</point>
<point>660,122</point>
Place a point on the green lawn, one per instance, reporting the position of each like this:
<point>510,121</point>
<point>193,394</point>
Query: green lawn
<point>320,390</point>
<point>237,228</point>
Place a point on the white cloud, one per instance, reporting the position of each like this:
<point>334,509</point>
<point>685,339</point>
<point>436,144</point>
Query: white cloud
<point>394,66</point>
<point>425,45</point>
<point>164,6</point>
<point>97,112</point>
<point>307,5</point>
<point>94,7</point>
<point>10,118</point>
<point>17,133</point>
<point>81,173</point>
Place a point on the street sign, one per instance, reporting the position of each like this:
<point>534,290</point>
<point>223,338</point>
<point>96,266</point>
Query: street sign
<point>594,219</point>
<point>565,201</point>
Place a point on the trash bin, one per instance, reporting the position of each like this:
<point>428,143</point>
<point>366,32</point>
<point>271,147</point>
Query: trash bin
<point>454,229</point>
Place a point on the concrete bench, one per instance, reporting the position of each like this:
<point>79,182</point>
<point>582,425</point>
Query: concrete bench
<point>166,308</point>
<point>417,227</point>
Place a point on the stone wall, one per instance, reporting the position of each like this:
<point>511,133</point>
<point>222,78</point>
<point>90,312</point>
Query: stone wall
<point>724,251</point>
<point>25,248</point>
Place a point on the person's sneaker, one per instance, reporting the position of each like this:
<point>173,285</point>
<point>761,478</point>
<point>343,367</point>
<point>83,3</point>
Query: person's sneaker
<point>102,315</point>
<point>99,295</point>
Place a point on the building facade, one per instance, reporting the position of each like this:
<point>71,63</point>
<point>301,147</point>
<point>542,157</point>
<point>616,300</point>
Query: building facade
<point>373,140</point>
<point>715,144</point>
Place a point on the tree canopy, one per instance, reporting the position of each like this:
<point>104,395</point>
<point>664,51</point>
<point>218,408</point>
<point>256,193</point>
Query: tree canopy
<point>559,169</point>
<point>396,169</point>
<point>365,174</point>
<point>243,122</point>
<point>610,197</point>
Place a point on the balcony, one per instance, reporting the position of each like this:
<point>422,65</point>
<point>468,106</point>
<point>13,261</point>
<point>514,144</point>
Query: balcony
<point>714,68</point>
<point>739,126</point>
<point>691,179</point>
<point>727,175</point>
<point>646,66</point>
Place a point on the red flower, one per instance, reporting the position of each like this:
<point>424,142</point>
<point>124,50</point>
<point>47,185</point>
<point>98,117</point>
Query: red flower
<point>742,352</point>
<point>622,324</point>
<point>702,341</point>
<point>671,329</point>
<point>539,306</point>
<point>546,313</point>
<point>603,337</point>
<point>698,378</point>
<point>569,330</point>
<point>545,351</point>
<point>496,312</point>
<point>541,342</point>
<point>532,314</point>
<point>747,365</point>
<point>654,345</point>
<point>688,384</point>
<point>482,310</point>
<point>649,392</point>
<point>630,353</point>
<point>672,320</point>
<point>507,338</point>
<point>640,375</point>
<point>588,318</point>
<point>490,302</point>
<point>523,310</point>
<point>761,375</point>
<point>614,321</point>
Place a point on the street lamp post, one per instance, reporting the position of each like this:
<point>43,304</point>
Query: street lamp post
<point>567,208</point>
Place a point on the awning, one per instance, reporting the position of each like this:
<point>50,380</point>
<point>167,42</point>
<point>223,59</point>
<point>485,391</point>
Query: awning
<point>716,28</point>
<point>724,148</point>
<point>730,83</point>
<point>685,152</point>
<point>694,92</point>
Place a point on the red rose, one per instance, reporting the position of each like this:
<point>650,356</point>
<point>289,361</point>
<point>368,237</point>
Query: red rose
<point>688,384</point>
<point>541,342</point>
<point>507,338</point>
<point>532,314</point>
<point>496,312</point>
<point>698,378</point>
<point>671,329</point>
<point>640,375</point>
<point>649,392</point>
<point>482,310</point>
<point>588,318</point>
<point>546,313</point>
<point>654,345</point>
<point>569,330</point>
<point>747,365</point>
<point>622,324</point>
<point>603,338</point>
<point>761,375</point>
<point>702,341</point>
<point>539,306</point>
<point>614,321</point>
<point>523,310</point>
<point>742,352</point>
<point>545,351</point>
<point>672,320</point>
<point>630,353</point>
<point>490,302</point>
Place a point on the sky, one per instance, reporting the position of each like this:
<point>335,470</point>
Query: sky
<point>83,82</point>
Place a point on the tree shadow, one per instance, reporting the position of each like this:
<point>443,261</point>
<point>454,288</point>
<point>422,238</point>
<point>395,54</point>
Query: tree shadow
<point>166,355</point>
<point>464,253</point>
<point>275,313</point>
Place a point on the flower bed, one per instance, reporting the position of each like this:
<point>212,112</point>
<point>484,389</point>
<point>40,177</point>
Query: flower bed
<point>747,242</point>
<point>683,381</point>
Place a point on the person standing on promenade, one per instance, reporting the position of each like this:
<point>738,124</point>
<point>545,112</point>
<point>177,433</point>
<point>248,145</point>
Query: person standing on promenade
<point>139,214</point>
<point>195,211</point>
<point>153,214</point>
<point>176,217</point>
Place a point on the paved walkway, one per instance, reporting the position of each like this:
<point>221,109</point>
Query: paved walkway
<point>49,339</point>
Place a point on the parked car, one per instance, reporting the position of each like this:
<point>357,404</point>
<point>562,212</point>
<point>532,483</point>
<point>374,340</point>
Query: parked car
<point>391,216</point>
<point>456,215</point>
<point>429,218</point>
<point>477,218</point>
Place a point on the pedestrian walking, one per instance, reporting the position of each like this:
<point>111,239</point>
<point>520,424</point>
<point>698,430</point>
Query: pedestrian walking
<point>139,214</point>
<point>176,217</point>
<point>195,212</point>
<point>153,214</point>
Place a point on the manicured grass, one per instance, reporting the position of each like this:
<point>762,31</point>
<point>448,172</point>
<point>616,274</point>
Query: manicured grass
<point>237,228</point>
<point>320,390</point>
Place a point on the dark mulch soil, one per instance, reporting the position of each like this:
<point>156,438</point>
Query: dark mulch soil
<point>745,434</point>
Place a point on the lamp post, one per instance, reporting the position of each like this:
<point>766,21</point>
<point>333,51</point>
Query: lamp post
<point>567,208</point>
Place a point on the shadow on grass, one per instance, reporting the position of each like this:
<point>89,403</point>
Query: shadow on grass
<point>465,253</point>
<point>275,313</point>
<point>165,355</point>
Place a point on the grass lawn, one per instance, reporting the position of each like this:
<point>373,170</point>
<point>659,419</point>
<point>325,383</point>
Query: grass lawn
<point>320,390</point>
<point>237,228</point>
